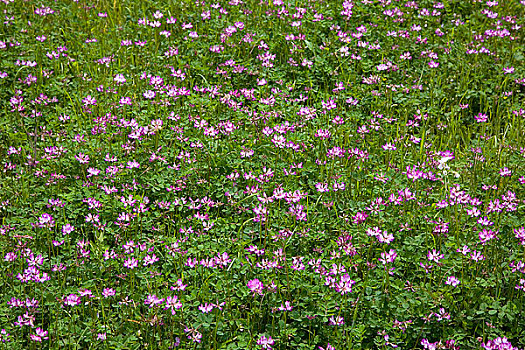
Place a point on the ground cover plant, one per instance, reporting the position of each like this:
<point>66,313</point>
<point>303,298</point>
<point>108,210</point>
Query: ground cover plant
<point>251,174</point>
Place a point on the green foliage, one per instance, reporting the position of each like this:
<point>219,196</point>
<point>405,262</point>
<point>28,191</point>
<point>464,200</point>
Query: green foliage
<point>261,174</point>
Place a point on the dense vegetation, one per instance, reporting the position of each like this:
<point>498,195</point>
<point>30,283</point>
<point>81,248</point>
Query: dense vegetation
<point>299,174</point>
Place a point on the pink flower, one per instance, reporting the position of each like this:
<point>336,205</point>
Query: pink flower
<point>287,306</point>
<point>67,229</point>
<point>82,158</point>
<point>173,303</point>
<point>430,346</point>
<point>266,343</point>
<point>256,286</point>
<point>520,234</point>
<point>206,308</point>
<point>148,260</point>
<point>476,256</point>
<point>336,321</point>
<point>131,263</point>
<point>435,255</point>
<point>505,172</point>
<point>481,118</point>
<point>149,94</point>
<point>452,281</point>
<point>46,220</point>
<point>389,257</point>
<point>389,147</point>
<point>39,336</point>
<point>125,101</point>
<point>193,335</point>
<point>498,343</point>
<point>152,300</point>
<point>108,292</point>
<point>385,237</point>
<point>88,100</point>
<point>72,300</point>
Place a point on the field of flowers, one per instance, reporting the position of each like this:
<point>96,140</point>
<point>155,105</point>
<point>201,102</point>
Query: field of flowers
<point>262,174</point>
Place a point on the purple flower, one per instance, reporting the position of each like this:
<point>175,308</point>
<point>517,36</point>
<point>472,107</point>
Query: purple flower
<point>385,237</point>
<point>82,158</point>
<point>520,234</point>
<point>131,263</point>
<point>193,335</point>
<point>133,164</point>
<point>149,94</point>
<point>72,300</point>
<point>481,118</point>
<point>67,229</point>
<point>476,256</point>
<point>435,255</point>
<point>46,220</point>
<point>4,336</point>
<point>256,286</point>
<point>498,343</point>
<point>119,78</point>
<point>452,281</point>
<point>148,260</point>
<point>430,346</point>
<point>85,292</point>
<point>152,300</point>
<point>88,100</point>
<point>206,308</point>
<point>39,336</point>
<point>266,343</point>
<point>336,321</point>
<point>125,101</point>
<point>505,172</point>
<point>389,147</point>
<point>287,306</point>
<point>173,303</point>
<point>108,292</point>
<point>388,257</point>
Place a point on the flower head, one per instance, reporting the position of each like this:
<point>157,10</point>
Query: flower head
<point>265,342</point>
<point>256,286</point>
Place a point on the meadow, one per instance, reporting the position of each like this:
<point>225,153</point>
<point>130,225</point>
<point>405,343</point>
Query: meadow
<point>262,174</point>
